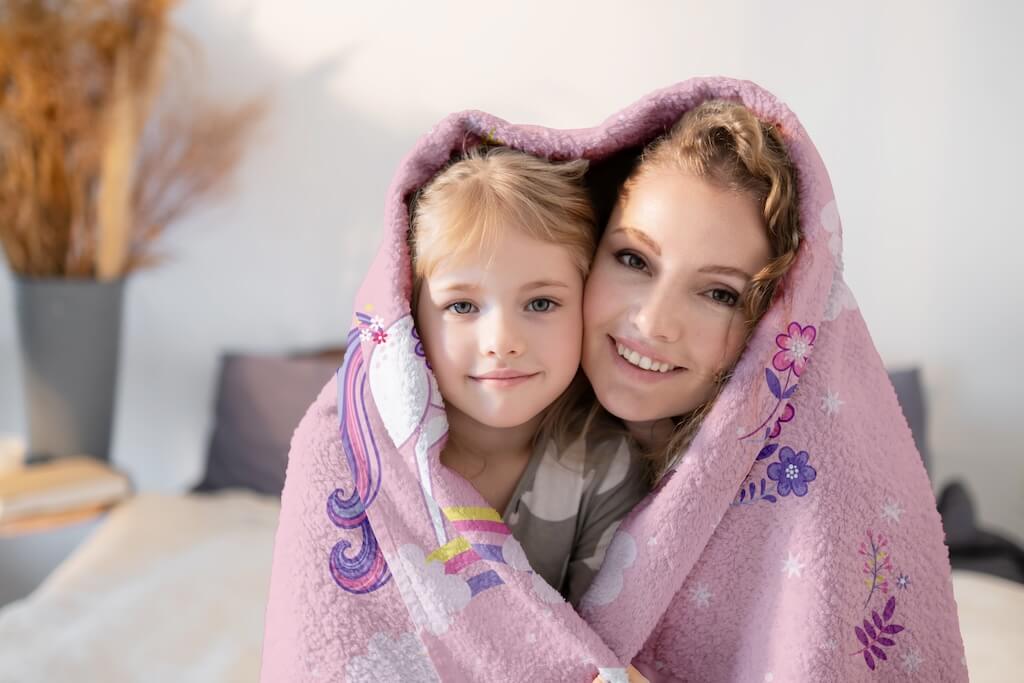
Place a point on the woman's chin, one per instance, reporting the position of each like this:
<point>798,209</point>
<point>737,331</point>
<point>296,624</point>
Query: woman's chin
<point>628,407</point>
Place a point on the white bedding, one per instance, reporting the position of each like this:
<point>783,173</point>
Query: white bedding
<point>173,588</point>
<point>991,623</point>
<point>169,588</point>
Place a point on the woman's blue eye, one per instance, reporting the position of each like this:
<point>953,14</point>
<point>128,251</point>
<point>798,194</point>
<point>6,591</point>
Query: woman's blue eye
<point>541,305</point>
<point>724,297</point>
<point>461,307</point>
<point>631,260</point>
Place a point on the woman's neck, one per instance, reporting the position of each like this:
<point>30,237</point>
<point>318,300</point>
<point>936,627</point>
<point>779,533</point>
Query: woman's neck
<point>651,434</point>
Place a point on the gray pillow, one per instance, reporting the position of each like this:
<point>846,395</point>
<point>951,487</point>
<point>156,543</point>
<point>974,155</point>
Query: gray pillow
<point>907,384</point>
<point>260,400</point>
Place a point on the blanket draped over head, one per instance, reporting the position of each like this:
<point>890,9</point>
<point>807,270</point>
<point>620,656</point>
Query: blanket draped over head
<point>796,540</point>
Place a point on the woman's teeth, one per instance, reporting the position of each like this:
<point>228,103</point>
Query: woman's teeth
<point>643,362</point>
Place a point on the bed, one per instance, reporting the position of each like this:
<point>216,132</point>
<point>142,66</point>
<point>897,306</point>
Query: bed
<point>173,587</point>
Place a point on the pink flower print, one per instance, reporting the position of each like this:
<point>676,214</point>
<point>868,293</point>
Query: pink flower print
<point>787,414</point>
<point>795,348</point>
<point>379,336</point>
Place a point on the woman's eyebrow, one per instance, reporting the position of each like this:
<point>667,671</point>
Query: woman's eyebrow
<point>726,270</point>
<point>640,235</point>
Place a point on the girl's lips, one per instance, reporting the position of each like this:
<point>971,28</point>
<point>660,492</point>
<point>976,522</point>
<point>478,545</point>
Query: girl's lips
<point>503,379</point>
<point>633,372</point>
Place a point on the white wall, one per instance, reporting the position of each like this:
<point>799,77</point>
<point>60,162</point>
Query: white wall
<point>914,107</point>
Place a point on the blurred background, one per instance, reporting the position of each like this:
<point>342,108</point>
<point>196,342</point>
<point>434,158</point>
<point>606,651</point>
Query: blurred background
<point>914,106</point>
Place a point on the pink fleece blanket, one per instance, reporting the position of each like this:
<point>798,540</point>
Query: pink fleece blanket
<point>797,540</point>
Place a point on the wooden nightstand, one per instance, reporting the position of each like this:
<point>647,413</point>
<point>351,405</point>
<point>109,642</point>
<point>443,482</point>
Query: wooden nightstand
<point>30,551</point>
<point>50,508</point>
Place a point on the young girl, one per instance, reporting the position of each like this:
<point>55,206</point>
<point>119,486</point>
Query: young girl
<point>501,244</point>
<point>704,227</point>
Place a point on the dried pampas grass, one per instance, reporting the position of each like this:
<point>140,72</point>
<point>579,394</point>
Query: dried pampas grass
<point>92,168</point>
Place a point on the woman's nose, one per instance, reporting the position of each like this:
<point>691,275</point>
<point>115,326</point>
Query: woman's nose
<point>659,316</point>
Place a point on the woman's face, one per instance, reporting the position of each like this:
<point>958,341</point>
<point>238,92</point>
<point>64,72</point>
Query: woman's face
<point>661,307</point>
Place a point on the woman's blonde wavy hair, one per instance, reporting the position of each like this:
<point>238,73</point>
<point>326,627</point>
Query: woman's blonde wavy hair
<point>726,144</point>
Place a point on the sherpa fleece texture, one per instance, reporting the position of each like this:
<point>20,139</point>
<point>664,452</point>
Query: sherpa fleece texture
<point>797,540</point>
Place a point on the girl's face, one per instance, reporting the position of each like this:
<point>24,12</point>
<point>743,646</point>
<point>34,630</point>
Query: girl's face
<point>661,309</point>
<point>502,330</point>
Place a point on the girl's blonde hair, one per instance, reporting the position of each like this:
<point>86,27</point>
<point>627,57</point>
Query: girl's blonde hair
<point>727,145</point>
<point>465,206</point>
<point>488,189</point>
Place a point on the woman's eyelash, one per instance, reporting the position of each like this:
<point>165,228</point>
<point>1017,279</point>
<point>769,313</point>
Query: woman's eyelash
<point>730,298</point>
<point>631,260</point>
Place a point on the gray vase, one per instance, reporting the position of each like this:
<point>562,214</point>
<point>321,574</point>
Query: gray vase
<point>70,332</point>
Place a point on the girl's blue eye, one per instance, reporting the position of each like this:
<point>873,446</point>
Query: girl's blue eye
<point>631,260</point>
<point>461,307</point>
<point>541,305</point>
<point>724,297</point>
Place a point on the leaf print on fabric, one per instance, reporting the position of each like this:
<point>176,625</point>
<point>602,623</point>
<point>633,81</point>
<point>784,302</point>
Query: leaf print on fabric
<point>876,634</point>
<point>878,561</point>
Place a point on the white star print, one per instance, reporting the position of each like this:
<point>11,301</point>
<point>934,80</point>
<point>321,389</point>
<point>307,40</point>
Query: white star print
<point>830,645</point>
<point>769,677</point>
<point>653,540</point>
<point>892,511</point>
<point>831,403</point>
<point>911,661</point>
<point>792,566</point>
<point>701,596</point>
<point>531,638</point>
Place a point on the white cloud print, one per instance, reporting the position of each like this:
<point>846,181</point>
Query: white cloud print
<point>431,596</point>
<point>392,659</point>
<point>608,583</point>
<point>840,299</point>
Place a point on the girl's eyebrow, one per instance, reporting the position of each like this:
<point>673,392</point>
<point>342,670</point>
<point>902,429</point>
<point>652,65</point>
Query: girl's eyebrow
<point>540,284</point>
<point>470,287</point>
<point>640,235</point>
<point>459,287</point>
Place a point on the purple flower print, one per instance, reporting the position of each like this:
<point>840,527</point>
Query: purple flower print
<point>791,473</point>
<point>795,348</point>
